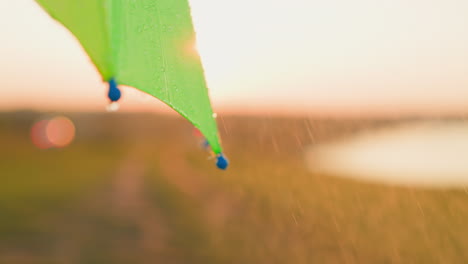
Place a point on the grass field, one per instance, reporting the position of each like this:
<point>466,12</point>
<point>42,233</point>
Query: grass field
<point>137,189</point>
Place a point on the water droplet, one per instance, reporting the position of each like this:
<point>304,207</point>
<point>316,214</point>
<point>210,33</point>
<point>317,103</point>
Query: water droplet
<point>215,115</point>
<point>113,107</point>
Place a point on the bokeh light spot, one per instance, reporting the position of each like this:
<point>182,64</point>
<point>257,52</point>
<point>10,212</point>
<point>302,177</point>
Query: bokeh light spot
<point>57,132</point>
<point>38,135</point>
<point>60,131</point>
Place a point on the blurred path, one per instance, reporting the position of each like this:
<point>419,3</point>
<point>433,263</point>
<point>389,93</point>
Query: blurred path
<point>162,201</point>
<point>129,203</point>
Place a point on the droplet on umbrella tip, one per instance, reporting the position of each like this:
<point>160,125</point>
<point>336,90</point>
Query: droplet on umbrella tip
<point>113,107</point>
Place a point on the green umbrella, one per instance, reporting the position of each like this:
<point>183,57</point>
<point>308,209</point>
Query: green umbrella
<point>148,45</point>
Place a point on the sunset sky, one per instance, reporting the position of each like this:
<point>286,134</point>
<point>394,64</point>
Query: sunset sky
<point>334,56</point>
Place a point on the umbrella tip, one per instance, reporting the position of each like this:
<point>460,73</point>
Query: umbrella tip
<point>222,162</point>
<point>114,91</point>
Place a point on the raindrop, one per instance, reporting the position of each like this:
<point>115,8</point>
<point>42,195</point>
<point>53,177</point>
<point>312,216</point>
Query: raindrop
<point>113,107</point>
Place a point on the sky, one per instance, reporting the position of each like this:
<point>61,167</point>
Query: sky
<point>336,56</point>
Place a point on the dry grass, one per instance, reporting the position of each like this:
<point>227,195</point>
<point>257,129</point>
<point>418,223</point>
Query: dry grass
<point>136,189</point>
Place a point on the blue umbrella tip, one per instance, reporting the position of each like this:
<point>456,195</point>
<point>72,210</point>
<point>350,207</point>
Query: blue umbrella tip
<point>221,162</point>
<point>114,91</point>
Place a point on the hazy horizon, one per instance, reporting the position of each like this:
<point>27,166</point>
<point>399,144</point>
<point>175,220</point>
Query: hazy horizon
<point>334,58</point>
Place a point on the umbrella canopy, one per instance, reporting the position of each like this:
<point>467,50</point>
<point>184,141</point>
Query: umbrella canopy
<point>148,45</point>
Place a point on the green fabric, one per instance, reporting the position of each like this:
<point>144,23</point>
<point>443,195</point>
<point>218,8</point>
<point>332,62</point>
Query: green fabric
<point>146,44</point>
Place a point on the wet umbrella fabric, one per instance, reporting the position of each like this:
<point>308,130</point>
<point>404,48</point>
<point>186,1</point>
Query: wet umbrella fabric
<point>148,45</point>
